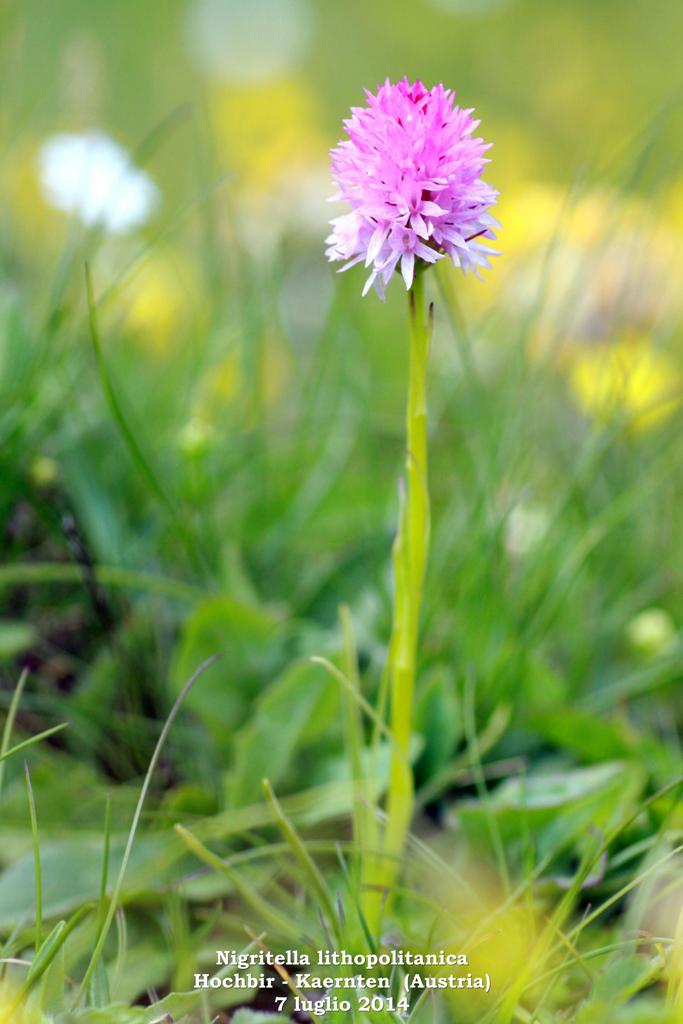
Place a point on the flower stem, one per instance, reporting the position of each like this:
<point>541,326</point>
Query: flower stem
<point>410,557</point>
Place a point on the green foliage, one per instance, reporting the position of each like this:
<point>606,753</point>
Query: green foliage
<point>245,637</point>
<point>556,807</point>
<point>295,708</point>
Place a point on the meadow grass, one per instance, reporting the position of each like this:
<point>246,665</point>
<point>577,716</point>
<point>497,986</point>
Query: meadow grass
<point>228,496</point>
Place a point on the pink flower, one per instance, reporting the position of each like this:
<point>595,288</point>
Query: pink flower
<point>411,171</point>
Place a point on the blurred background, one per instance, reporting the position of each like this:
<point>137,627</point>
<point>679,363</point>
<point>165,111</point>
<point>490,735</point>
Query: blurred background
<point>218,471</point>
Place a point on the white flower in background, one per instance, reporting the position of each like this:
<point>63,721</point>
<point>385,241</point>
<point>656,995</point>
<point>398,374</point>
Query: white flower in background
<point>525,528</point>
<point>238,41</point>
<point>92,177</point>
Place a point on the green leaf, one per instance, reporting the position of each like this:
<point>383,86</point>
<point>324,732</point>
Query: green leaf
<point>53,985</point>
<point>291,705</point>
<point>146,967</point>
<point>246,636</point>
<point>375,762</point>
<point>588,735</point>
<point>116,1013</point>
<point>627,975</point>
<point>176,1005</point>
<point>98,989</point>
<point>595,739</point>
<point>438,719</point>
<point>599,1011</point>
<point>553,806</point>
<point>71,870</point>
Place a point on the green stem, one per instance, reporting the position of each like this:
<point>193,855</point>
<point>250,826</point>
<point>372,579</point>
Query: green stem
<point>36,859</point>
<point>410,557</point>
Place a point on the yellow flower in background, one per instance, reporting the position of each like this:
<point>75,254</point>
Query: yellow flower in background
<point>630,379</point>
<point>232,382</point>
<point>532,215</point>
<point>505,947</point>
<point>220,385</point>
<point>499,937</point>
<point>161,297</point>
<point>264,129</point>
<point>674,206</point>
<point>592,267</point>
<point>34,223</point>
<point>44,472</point>
<point>598,275</point>
<point>5,1004</point>
<point>11,1013</point>
<point>538,213</point>
<point>269,135</point>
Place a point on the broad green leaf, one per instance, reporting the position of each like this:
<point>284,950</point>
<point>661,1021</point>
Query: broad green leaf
<point>246,637</point>
<point>289,707</point>
<point>146,967</point>
<point>595,739</point>
<point>115,1013</point>
<point>71,870</point>
<point>650,1011</point>
<point>625,977</point>
<point>176,1005</point>
<point>53,985</point>
<point>589,735</point>
<point>552,806</point>
<point>438,720</point>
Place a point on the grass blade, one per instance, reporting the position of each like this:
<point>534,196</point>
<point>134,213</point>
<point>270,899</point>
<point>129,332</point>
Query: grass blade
<point>36,857</point>
<point>250,896</point>
<point>305,860</point>
<point>32,740</point>
<point>113,903</point>
<point>9,723</point>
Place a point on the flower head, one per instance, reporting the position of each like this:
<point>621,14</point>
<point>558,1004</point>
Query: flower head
<point>411,171</point>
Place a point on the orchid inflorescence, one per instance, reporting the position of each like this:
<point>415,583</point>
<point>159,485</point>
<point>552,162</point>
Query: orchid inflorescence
<point>411,171</point>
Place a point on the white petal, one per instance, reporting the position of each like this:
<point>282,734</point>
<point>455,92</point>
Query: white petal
<point>376,243</point>
<point>408,268</point>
